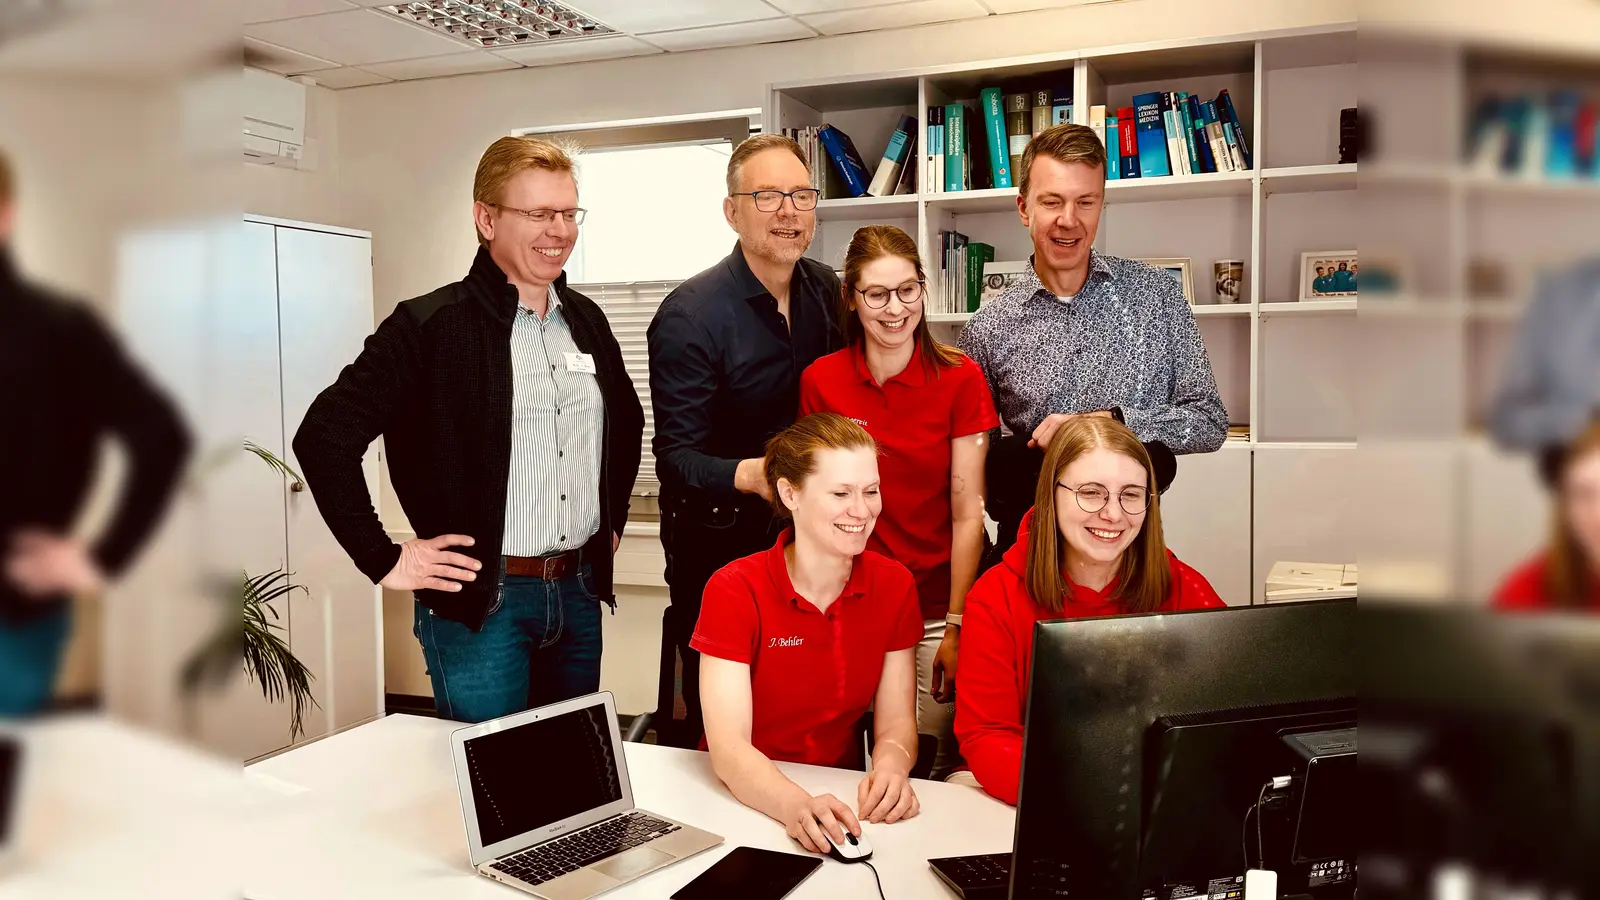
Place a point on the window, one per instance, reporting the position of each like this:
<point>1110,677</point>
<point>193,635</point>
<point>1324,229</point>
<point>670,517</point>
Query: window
<point>654,195</point>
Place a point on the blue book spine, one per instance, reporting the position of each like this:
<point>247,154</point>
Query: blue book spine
<point>1225,106</point>
<point>994,123</point>
<point>845,160</point>
<point>955,147</point>
<point>1186,122</point>
<point>1113,161</point>
<point>1197,135</point>
<point>1561,154</point>
<point>1152,136</point>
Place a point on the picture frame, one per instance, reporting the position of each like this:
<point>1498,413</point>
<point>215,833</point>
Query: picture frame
<point>1179,270</point>
<point>997,277</point>
<point>1328,284</point>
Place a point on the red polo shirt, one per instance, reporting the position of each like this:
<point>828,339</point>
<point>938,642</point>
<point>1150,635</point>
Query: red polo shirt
<point>1524,590</point>
<point>913,417</point>
<point>812,673</point>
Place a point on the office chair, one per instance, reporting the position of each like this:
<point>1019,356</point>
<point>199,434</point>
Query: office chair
<point>927,746</point>
<point>671,731</point>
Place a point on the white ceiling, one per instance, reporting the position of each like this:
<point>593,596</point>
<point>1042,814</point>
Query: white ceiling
<point>340,44</point>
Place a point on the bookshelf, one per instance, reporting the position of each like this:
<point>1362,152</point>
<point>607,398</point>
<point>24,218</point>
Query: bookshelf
<point>1286,369</point>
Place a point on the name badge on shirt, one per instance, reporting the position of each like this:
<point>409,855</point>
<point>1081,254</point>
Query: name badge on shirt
<point>580,362</point>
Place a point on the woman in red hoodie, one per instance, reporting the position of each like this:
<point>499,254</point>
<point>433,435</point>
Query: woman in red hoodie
<point>1091,546</point>
<point>1565,576</point>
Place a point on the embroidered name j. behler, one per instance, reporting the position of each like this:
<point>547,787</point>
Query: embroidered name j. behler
<point>785,642</point>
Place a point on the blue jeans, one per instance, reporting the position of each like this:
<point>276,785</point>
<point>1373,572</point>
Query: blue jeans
<point>30,655</point>
<point>539,645</point>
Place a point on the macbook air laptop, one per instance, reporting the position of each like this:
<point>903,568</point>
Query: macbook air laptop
<point>549,808</point>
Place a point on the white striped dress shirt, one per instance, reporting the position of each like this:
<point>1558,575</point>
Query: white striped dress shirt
<point>557,423</point>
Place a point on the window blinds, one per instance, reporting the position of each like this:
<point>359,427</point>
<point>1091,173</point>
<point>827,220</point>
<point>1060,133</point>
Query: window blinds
<point>629,308</point>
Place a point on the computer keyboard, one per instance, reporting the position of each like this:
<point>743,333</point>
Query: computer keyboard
<point>980,877</point>
<point>558,857</point>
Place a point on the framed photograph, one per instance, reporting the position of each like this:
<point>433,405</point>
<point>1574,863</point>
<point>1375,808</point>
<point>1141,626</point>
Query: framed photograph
<point>1328,274</point>
<point>997,276</point>
<point>1179,270</point>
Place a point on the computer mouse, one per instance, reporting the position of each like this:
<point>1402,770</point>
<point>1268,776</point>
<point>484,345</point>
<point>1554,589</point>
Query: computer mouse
<point>852,850</point>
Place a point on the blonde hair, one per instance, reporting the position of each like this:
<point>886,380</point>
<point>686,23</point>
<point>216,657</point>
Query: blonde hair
<point>872,243</point>
<point>509,156</point>
<point>1144,577</point>
<point>791,454</point>
<point>1570,574</point>
<point>754,144</point>
<point>1065,144</point>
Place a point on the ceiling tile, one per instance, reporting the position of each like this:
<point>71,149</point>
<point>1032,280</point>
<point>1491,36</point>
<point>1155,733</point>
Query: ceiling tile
<point>270,10</point>
<point>549,53</point>
<point>468,63</point>
<point>262,55</point>
<point>356,37</point>
<point>349,77</point>
<point>636,17</point>
<point>731,35</point>
<point>900,15</point>
<point>798,7</point>
<point>1013,6</point>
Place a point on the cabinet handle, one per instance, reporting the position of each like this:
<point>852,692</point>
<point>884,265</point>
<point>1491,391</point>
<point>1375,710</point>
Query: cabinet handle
<point>298,487</point>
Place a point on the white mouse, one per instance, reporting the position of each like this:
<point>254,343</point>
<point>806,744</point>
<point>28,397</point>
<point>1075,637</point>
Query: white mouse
<point>852,850</point>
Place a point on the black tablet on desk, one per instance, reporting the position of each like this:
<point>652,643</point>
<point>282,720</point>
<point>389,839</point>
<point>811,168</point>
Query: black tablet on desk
<point>751,874</point>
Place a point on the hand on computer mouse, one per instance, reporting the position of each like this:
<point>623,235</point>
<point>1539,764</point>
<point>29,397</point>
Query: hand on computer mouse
<point>885,795</point>
<point>820,822</point>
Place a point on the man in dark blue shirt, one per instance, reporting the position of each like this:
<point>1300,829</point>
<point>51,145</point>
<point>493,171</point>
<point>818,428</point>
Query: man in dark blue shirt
<point>726,351</point>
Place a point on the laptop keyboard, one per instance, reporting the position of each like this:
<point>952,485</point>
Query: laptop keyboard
<point>581,848</point>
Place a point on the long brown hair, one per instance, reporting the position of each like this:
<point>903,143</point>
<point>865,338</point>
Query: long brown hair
<point>792,453</point>
<point>872,243</point>
<point>1144,577</point>
<point>1569,574</point>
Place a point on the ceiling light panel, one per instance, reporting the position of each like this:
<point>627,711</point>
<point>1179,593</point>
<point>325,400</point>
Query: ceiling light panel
<point>499,23</point>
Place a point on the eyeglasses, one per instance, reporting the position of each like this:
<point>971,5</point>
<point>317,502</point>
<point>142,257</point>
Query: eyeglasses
<point>804,199</point>
<point>1093,497</point>
<point>909,293</point>
<point>572,216</point>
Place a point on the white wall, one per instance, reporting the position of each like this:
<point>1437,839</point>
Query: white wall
<point>316,195</point>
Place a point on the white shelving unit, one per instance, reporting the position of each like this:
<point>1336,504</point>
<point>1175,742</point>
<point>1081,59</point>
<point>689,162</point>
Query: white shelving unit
<point>1285,368</point>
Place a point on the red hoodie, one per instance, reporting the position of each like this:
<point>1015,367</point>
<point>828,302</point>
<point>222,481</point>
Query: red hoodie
<point>997,650</point>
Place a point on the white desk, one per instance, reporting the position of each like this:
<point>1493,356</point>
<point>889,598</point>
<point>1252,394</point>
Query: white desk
<point>373,813</point>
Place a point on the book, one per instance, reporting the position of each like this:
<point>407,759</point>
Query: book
<point>1219,147</point>
<point>1097,124</point>
<point>1186,124</point>
<point>994,132</point>
<point>1225,107</point>
<point>1041,110</point>
<point>1152,138</point>
<point>907,183</point>
<point>979,173</point>
<point>1230,141</point>
<point>935,149</point>
<point>1561,152</point>
<point>1176,152</point>
<point>1586,138</point>
<point>959,287</point>
<point>1061,106</point>
<point>1113,149</point>
<point>895,157</point>
<point>846,161</point>
<point>1126,136</point>
<point>955,147</point>
<point>1198,136</point>
<point>1019,130</point>
<point>978,253</point>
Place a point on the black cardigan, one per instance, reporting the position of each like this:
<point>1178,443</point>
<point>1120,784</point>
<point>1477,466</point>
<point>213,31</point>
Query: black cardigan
<point>435,381</point>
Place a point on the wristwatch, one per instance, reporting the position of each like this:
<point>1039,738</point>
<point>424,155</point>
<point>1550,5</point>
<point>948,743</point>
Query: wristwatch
<point>953,619</point>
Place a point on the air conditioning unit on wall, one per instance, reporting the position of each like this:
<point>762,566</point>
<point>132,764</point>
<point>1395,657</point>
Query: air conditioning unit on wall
<point>274,119</point>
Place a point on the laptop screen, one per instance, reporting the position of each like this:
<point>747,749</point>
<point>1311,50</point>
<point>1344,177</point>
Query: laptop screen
<point>541,772</point>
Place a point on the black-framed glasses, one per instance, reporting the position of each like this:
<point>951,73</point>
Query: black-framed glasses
<point>572,216</point>
<point>804,199</point>
<point>1093,497</point>
<point>909,293</point>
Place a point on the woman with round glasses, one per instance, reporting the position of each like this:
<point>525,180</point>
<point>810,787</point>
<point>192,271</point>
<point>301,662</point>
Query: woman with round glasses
<point>928,407</point>
<point>1091,546</point>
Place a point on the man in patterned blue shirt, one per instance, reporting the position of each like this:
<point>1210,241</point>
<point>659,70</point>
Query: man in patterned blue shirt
<point>1083,333</point>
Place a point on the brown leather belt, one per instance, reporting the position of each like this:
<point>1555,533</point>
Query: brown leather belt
<point>549,568</point>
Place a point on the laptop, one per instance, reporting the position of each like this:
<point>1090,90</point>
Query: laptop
<point>549,808</point>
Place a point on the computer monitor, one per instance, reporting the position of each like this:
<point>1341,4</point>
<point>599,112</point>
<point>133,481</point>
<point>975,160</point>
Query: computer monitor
<point>1098,690</point>
<point>1483,767</point>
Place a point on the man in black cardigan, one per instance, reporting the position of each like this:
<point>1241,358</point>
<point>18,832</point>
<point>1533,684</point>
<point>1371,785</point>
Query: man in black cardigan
<point>513,435</point>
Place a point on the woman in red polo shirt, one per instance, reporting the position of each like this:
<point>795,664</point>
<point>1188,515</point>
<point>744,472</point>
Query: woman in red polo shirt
<point>1091,546</point>
<point>1566,575</point>
<point>798,641</point>
<point>928,407</point>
